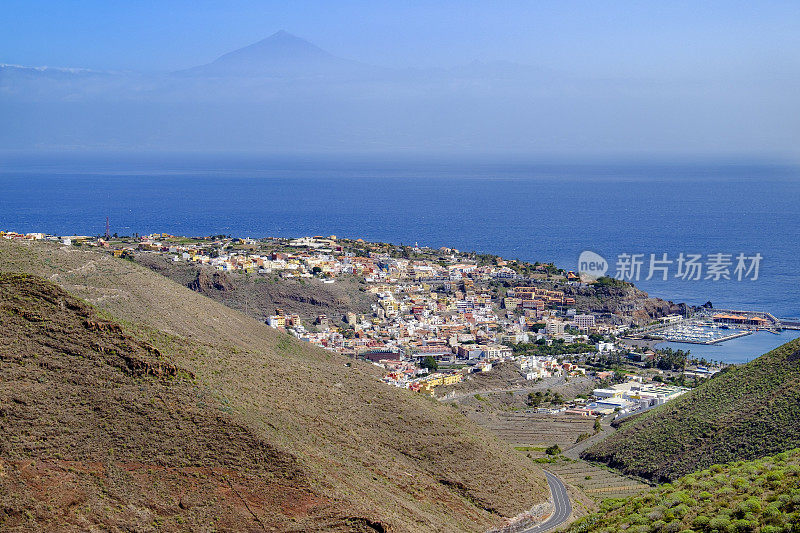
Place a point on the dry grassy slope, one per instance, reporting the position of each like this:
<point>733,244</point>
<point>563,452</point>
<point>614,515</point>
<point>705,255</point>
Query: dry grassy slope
<point>391,455</point>
<point>101,431</point>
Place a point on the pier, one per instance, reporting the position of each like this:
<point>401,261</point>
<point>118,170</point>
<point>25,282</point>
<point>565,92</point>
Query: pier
<point>714,326</point>
<point>700,332</point>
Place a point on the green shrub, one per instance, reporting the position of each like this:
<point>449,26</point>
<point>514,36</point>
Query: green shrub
<point>720,523</point>
<point>553,450</point>
<point>750,505</point>
<point>674,507</point>
<point>739,483</point>
<point>681,510</point>
<point>700,521</point>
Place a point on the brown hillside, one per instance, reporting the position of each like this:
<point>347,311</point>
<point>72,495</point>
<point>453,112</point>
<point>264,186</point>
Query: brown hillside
<point>100,430</point>
<point>382,454</point>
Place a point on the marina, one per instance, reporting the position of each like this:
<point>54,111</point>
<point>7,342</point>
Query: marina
<point>738,350</point>
<point>714,326</point>
<point>702,332</point>
<point>729,336</point>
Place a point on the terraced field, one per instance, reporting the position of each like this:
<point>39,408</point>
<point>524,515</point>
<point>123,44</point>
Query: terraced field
<point>529,429</point>
<point>597,482</point>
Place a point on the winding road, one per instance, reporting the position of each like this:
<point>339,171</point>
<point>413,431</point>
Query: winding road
<point>562,507</point>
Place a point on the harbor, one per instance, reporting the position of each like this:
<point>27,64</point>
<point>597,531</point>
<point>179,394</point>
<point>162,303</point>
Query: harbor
<point>715,326</point>
<point>701,333</point>
<point>725,335</point>
<point>738,350</point>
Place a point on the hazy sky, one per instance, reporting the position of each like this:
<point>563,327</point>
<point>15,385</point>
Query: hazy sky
<point>598,38</point>
<point>646,77</point>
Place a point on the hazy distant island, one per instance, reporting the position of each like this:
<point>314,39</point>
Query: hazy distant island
<point>286,93</point>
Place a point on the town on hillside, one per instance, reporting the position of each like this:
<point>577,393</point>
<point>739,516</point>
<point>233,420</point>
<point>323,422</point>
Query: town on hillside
<point>442,316</point>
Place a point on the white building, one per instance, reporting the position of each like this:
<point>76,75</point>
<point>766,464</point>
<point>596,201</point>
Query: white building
<point>584,322</point>
<point>555,327</point>
<point>607,393</point>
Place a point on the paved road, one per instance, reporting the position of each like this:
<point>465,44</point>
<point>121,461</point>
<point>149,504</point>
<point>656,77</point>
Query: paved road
<point>561,504</point>
<point>574,451</point>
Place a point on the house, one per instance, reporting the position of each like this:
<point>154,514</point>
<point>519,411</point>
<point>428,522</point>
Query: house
<point>497,351</point>
<point>276,321</point>
<point>483,367</point>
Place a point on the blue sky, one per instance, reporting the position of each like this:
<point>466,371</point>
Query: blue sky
<point>598,38</point>
<point>649,77</point>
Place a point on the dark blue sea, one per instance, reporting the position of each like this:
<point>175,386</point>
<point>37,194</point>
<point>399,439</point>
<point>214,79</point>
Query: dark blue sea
<point>531,211</point>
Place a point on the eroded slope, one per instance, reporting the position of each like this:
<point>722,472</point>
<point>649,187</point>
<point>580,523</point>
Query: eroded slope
<point>387,455</point>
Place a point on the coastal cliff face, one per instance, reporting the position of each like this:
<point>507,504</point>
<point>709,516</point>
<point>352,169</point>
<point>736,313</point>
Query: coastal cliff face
<point>623,300</point>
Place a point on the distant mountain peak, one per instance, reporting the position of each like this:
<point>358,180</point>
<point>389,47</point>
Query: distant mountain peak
<point>283,34</point>
<point>282,38</point>
<point>280,54</point>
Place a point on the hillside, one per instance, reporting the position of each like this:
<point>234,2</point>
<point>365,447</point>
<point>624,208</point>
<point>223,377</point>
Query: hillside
<point>759,495</point>
<point>258,296</point>
<point>621,298</point>
<point>94,419</point>
<point>367,453</point>
<point>747,412</point>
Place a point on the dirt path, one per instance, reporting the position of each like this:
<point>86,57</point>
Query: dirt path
<point>574,452</point>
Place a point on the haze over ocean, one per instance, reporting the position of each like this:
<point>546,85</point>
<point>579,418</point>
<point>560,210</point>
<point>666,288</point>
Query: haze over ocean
<point>535,212</point>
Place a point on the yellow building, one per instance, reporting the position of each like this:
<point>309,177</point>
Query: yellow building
<point>452,379</point>
<point>277,321</point>
<point>435,380</point>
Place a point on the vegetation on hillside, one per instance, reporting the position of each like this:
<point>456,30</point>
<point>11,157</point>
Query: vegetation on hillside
<point>102,431</point>
<point>387,458</point>
<point>743,413</point>
<point>608,281</point>
<point>558,347</point>
<point>759,496</point>
<point>537,398</point>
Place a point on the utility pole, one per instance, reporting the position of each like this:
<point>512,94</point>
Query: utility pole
<point>108,230</point>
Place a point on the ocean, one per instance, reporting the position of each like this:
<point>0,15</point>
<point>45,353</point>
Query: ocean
<point>736,351</point>
<point>536,212</point>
